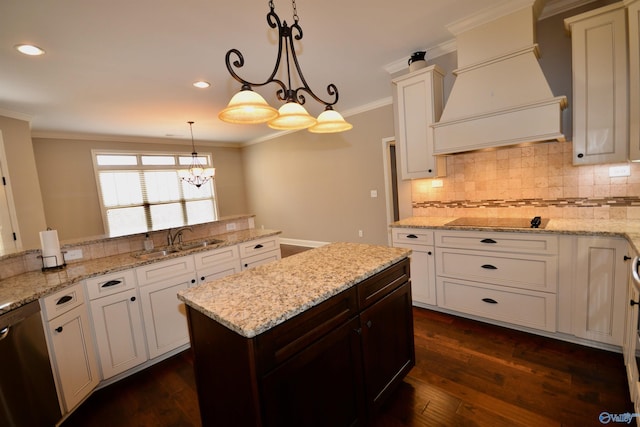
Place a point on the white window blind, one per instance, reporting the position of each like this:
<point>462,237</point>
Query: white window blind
<point>143,192</point>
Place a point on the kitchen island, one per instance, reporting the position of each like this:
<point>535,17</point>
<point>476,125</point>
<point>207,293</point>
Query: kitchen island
<point>319,338</point>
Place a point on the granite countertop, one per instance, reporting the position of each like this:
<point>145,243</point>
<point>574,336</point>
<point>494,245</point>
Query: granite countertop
<point>21,289</point>
<point>629,229</point>
<point>258,299</point>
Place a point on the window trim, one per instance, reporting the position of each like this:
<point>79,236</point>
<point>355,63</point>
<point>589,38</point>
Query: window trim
<point>97,168</point>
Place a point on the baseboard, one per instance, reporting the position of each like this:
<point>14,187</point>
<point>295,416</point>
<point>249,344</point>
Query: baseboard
<point>304,243</point>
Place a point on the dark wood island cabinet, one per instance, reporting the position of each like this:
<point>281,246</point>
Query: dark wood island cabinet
<point>331,361</point>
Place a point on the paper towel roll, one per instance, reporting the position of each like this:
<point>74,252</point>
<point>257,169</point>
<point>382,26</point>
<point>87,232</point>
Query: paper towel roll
<point>51,254</point>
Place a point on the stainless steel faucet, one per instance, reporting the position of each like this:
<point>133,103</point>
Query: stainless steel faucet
<point>171,239</point>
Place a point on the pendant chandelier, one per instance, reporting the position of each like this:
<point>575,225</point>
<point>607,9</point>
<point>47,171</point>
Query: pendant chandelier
<point>249,107</point>
<point>197,174</point>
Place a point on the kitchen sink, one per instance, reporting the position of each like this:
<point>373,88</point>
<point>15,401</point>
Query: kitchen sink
<point>158,253</point>
<point>199,244</point>
<point>162,252</point>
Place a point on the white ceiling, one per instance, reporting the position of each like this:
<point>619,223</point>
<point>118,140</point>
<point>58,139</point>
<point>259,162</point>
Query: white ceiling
<point>125,68</point>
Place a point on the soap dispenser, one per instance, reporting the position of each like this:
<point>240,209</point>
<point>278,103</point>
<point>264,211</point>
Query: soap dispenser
<point>148,243</point>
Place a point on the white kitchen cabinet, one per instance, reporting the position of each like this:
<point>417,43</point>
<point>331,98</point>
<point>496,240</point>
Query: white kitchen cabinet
<point>633,31</point>
<point>419,101</point>
<point>117,322</point>
<point>217,263</point>
<point>422,263</point>
<point>630,342</point>
<point>600,289</point>
<point>502,276</point>
<point>600,85</point>
<point>164,316</point>
<point>71,346</point>
<point>260,251</point>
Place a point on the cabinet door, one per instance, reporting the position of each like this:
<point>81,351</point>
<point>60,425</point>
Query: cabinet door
<point>387,344</point>
<point>423,274</point>
<point>74,356</point>
<point>631,340</point>
<point>419,103</point>
<point>600,289</point>
<point>119,334</point>
<point>600,85</point>
<point>320,386</point>
<point>165,318</point>
<point>633,16</point>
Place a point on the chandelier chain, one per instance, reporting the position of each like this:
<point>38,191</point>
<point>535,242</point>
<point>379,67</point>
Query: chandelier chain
<point>295,12</point>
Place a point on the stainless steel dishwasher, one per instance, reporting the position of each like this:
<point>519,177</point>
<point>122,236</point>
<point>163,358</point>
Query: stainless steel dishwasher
<point>27,390</point>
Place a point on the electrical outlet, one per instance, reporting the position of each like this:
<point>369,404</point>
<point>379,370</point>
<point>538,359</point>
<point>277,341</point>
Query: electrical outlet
<point>360,233</point>
<point>72,254</point>
<point>231,226</point>
<point>622,170</point>
<point>374,194</point>
<point>436,183</point>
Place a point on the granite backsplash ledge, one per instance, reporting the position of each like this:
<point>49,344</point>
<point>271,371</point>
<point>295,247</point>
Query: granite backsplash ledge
<point>100,247</point>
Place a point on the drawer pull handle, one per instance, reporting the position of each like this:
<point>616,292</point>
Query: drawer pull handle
<point>489,300</point>
<point>111,283</point>
<point>489,267</point>
<point>411,236</point>
<point>488,241</point>
<point>258,246</point>
<point>65,299</point>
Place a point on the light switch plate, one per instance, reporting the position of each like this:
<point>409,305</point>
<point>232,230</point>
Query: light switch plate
<point>72,254</point>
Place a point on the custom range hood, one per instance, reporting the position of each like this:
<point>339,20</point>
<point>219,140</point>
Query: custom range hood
<point>500,96</point>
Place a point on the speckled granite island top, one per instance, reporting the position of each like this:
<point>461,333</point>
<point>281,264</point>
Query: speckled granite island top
<point>258,299</point>
<point>21,289</point>
<point>629,229</point>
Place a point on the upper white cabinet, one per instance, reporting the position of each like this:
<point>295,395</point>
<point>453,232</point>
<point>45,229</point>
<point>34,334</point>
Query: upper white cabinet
<point>633,16</point>
<point>418,104</point>
<point>600,85</point>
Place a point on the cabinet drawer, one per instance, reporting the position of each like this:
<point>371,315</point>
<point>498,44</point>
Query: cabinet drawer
<point>499,242</point>
<point>219,270</point>
<point>258,246</point>
<point>412,236</point>
<point>289,338</point>
<point>62,301</point>
<point>377,286</point>
<point>261,258</point>
<point>111,283</point>
<point>535,272</point>
<point>165,269</point>
<point>216,256</point>
<point>525,308</point>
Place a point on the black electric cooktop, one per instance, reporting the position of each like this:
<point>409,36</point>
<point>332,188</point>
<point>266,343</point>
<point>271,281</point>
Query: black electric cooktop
<point>536,222</point>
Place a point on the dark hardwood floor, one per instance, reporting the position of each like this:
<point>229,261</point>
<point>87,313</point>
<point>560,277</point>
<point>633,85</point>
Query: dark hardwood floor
<point>467,374</point>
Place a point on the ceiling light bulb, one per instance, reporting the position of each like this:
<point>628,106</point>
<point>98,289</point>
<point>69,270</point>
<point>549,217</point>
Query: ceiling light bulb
<point>29,49</point>
<point>292,116</point>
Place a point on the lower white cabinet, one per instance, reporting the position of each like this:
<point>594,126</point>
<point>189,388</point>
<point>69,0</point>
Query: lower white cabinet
<point>217,263</point>
<point>260,251</point>
<point>117,322</point>
<point>630,343</point>
<point>600,289</point>
<point>70,343</point>
<point>422,263</point>
<point>164,315</point>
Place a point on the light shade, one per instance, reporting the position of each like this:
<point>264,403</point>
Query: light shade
<point>330,121</point>
<point>247,107</point>
<point>292,116</point>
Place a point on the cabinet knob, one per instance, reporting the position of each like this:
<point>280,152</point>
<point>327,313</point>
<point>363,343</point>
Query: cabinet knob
<point>59,329</point>
<point>369,324</point>
<point>133,299</point>
<point>632,303</point>
<point>429,253</point>
<point>194,280</point>
<point>580,155</point>
<point>627,258</point>
<point>429,170</point>
<point>202,278</point>
<point>246,265</point>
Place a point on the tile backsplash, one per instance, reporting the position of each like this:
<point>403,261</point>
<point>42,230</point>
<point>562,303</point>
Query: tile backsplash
<point>528,181</point>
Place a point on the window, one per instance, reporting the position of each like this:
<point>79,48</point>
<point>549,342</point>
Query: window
<point>143,192</point>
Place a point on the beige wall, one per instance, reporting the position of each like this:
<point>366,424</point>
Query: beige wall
<point>69,190</point>
<point>317,187</point>
<point>23,178</point>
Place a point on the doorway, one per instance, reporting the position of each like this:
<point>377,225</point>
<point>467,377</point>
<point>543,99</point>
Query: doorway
<point>8,224</point>
<point>397,191</point>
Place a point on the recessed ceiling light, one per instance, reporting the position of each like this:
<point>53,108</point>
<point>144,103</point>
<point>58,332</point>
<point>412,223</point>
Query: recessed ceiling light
<point>29,49</point>
<point>202,84</point>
